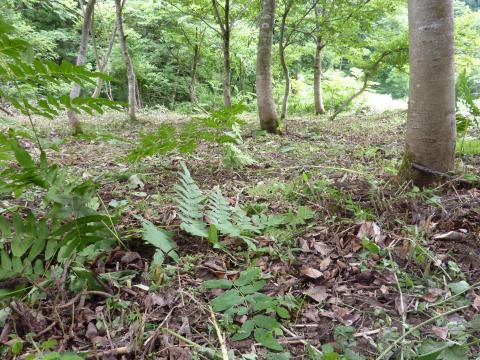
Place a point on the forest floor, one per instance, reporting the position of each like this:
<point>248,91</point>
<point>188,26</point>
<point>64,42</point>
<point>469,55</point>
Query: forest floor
<point>371,264</point>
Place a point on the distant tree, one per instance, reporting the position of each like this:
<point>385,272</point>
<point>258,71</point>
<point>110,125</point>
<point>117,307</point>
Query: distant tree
<point>132,81</point>
<point>431,132</point>
<point>81,58</point>
<point>266,105</point>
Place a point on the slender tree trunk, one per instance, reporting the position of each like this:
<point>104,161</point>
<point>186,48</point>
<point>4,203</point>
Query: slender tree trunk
<point>225,31</point>
<point>266,104</point>
<point>317,79</point>
<point>193,80</point>
<point>128,63</point>
<point>317,71</point>
<point>227,71</point>
<point>281,49</point>
<point>102,66</point>
<point>82,54</point>
<point>431,132</point>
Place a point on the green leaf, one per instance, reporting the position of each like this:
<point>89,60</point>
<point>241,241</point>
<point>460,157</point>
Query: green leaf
<point>266,322</point>
<point>248,276</point>
<point>245,331</point>
<point>282,312</point>
<point>161,239</point>
<point>370,246</point>
<point>253,288</point>
<point>459,287</point>
<point>226,300</point>
<point>266,338</point>
<point>218,284</point>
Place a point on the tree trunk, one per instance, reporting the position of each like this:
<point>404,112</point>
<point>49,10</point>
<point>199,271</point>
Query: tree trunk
<point>225,32</point>
<point>266,104</point>
<point>82,54</point>
<point>102,66</point>
<point>196,59</point>
<point>227,70</point>
<point>317,79</point>
<point>281,49</point>
<point>128,63</point>
<point>431,132</point>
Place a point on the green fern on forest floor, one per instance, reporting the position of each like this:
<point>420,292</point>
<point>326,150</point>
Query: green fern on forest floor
<point>213,215</point>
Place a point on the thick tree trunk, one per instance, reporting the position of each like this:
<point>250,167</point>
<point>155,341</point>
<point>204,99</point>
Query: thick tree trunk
<point>103,65</point>
<point>317,79</point>
<point>82,54</point>
<point>128,63</point>
<point>431,132</point>
<point>266,104</point>
<point>193,80</point>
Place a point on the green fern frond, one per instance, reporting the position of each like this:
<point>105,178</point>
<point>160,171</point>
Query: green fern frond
<point>235,158</point>
<point>190,203</point>
<point>219,213</point>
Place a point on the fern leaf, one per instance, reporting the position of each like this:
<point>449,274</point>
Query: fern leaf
<point>161,239</point>
<point>190,200</point>
<point>219,213</point>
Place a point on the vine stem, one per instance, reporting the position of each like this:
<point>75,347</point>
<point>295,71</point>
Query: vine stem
<point>401,338</point>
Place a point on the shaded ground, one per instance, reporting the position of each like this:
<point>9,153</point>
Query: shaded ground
<point>346,291</point>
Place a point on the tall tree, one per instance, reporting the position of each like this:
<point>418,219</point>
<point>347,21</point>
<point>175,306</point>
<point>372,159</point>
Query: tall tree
<point>265,103</point>
<point>431,132</point>
<point>317,68</point>
<point>225,25</point>
<point>81,57</point>
<point>102,64</point>
<point>287,6</point>
<point>132,81</point>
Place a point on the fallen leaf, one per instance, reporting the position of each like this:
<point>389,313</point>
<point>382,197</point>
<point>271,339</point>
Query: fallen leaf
<point>451,235</point>
<point>92,331</point>
<point>370,230</point>
<point>432,295</point>
<point>441,332</point>
<point>134,182</point>
<point>317,293</point>
<point>325,263</point>
<point>476,303</point>
<point>322,248</point>
<point>311,272</point>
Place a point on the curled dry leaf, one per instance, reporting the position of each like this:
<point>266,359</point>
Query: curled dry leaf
<point>451,235</point>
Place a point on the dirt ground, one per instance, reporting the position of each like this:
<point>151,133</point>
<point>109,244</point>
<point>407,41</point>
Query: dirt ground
<point>353,299</point>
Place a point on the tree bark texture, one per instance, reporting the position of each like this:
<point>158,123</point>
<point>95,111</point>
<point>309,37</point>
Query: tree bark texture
<point>81,57</point>
<point>431,132</point>
<point>265,102</point>
<point>128,63</point>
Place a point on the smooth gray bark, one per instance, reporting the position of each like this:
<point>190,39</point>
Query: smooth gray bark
<point>81,58</point>
<point>431,132</point>
<point>265,102</point>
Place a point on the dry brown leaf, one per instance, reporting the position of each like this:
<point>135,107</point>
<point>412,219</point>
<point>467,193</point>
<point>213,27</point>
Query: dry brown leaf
<point>317,293</point>
<point>322,248</point>
<point>476,303</point>
<point>325,263</point>
<point>432,295</point>
<point>311,272</point>
<point>441,332</point>
<point>370,230</point>
<point>451,235</point>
